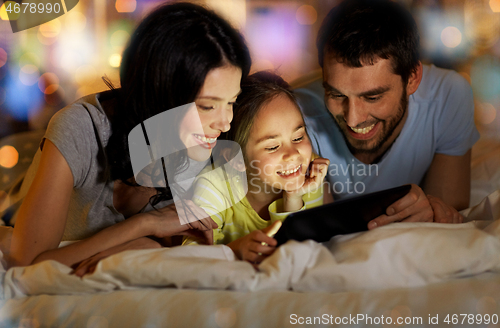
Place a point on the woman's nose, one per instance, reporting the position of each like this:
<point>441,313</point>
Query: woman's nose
<point>223,120</point>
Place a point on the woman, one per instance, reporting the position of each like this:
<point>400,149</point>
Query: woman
<point>81,185</point>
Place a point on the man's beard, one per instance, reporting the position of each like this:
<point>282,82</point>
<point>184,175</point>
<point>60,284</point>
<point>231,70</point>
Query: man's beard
<point>388,128</point>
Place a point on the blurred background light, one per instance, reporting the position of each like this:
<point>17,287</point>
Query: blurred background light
<point>20,98</point>
<point>115,60</point>
<point>86,75</point>
<point>125,6</point>
<point>48,83</point>
<point>29,74</point>
<point>3,57</point>
<point>486,113</point>
<point>29,58</point>
<point>12,15</point>
<point>75,21</point>
<point>451,37</point>
<point>495,6</point>
<point>485,78</point>
<point>51,29</point>
<point>119,39</point>
<point>306,15</point>
<point>9,156</point>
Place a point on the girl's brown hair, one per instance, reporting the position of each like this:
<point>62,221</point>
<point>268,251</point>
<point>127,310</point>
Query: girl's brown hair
<point>256,90</point>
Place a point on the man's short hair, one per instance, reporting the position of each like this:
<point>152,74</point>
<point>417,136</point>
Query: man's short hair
<point>357,32</point>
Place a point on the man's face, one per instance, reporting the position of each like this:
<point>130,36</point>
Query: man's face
<point>368,103</point>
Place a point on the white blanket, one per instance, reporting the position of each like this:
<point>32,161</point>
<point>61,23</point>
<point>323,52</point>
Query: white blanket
<point>397,255</point>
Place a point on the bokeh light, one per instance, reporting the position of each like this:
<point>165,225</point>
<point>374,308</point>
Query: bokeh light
<point>29,58</point>
<point>48,83</point>
<point>12,15</point>
<point>8,156</point>
<point>45,40</point>
<point>85,75</point>
<point>495,6</point>
<point>451,37</point>
<point>485,77</point>
<point>119,39</point>
<point>75,21</point>
<point>485,113</point>
<point>125,6</point>
<point>29,74</point>
<point>482,25</point>
<point>115,60</point>
<point>3,57</point>
<point>306,15</point>
<point>51,29</point>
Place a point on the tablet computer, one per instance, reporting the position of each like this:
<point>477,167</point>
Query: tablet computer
<point>338,218</point>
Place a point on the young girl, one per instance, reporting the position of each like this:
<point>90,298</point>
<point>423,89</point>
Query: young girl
<point>81,184</point>
<point>282,173</point>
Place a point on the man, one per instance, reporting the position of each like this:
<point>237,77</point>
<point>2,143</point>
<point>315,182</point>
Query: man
<point>389,120</point>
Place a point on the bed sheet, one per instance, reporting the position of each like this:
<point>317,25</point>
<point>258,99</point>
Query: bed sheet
<point>168,307</point>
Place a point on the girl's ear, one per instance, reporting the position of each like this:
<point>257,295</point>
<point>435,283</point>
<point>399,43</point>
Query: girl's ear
<point>236,162</point>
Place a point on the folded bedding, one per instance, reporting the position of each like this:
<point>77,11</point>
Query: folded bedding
<point>397,255</point>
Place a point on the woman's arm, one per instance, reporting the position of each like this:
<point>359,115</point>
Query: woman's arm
<point>42,219</point>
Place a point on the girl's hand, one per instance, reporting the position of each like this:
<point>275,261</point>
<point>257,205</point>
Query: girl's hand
<point>255,246</point>
<point>165,222</point>
<point>317,172</point>
<point>292,199</point>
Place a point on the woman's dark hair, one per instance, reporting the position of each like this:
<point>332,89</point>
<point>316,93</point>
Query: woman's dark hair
<point>163,67</point>
<point>357,32</point>
<point>257,90</point>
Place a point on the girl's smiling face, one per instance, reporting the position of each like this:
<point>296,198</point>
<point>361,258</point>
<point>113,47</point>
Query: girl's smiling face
<point>278,150</point>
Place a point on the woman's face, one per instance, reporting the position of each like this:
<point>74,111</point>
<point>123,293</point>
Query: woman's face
<point>278,149</point>
<point>202,125</point>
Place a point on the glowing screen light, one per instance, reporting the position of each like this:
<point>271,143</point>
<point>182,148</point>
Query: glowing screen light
<point>451,37</point>
<point>8,156</point>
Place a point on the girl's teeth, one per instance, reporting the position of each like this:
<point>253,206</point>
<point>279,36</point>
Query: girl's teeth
<point>205,139</point>
<point>288,172</point>
<point>363,130</point>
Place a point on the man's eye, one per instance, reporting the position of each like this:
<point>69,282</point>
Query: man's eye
<point>373,98</point>
<point>336,96</point>
<point>272,148</point>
